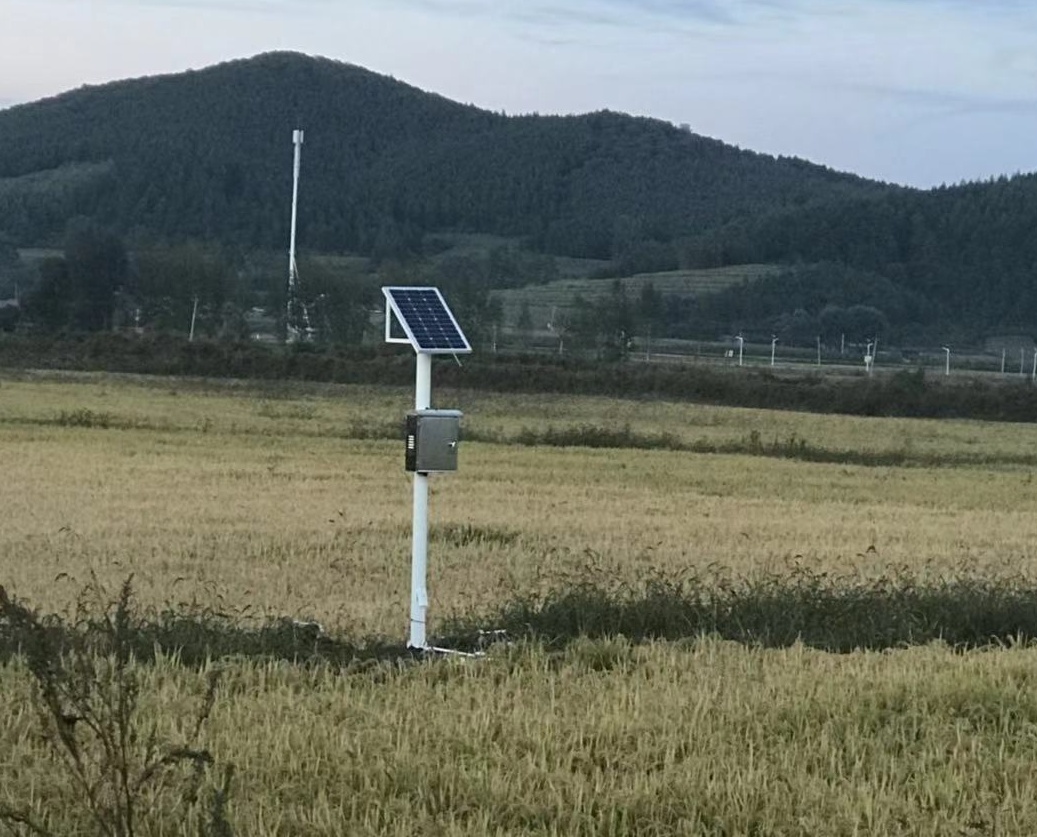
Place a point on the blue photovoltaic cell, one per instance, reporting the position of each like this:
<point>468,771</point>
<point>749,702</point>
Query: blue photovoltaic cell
<point>427,320</point>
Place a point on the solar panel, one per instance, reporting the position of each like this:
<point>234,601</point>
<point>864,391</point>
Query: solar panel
<point>426,319</point>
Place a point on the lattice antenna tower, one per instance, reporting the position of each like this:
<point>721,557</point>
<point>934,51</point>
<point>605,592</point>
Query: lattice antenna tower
<point>295,310</point>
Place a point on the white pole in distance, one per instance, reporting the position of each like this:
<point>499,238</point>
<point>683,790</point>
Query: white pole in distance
<point>291,330</point>
<point>419,544</point>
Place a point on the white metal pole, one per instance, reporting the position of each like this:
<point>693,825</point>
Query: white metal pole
<point>774,343</point>
<point>419,565</point>
<point>419,543</point>
<point>423,382</point>
<point>297,138</point>
<point>1033,374</point>
<point>947,363</point>
<point>194,315</point>
<point>741,345</point>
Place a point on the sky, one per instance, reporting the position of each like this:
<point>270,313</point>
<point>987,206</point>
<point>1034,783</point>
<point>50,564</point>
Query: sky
<point>919,92</point>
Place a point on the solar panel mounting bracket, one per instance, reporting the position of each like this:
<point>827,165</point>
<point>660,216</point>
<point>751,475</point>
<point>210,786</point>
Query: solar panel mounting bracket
<point>426,320</point>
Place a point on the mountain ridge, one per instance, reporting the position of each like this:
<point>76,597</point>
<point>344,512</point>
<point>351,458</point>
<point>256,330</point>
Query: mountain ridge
<point>204,155</point>
<point>193,149</point>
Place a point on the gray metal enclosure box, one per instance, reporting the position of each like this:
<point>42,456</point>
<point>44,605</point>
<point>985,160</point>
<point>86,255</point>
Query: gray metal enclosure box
<point>432,439</point>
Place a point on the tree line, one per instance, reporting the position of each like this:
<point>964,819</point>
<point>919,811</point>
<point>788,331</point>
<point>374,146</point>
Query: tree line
<point>955,261</point>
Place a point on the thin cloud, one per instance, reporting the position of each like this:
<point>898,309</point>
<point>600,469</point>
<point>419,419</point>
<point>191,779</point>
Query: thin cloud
<point>269,7</point>
<point>584,12</point>
<point>708,11</point>
<point>935,104</point>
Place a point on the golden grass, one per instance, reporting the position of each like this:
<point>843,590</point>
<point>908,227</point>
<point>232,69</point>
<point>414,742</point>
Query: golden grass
<point>614,739</point>
<point>698,738</point>
<point>255,500</point>
<point>234,497</point>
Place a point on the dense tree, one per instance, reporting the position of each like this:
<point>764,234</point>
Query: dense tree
<point>383,164</point>
<point>81,290</point>
<point>963,257</point>
<point>15,278</point>
<point>176,284</point>
<point>338,304</point>
<point>605,325</point>
<point>48,303</point>
<point>97,272</point>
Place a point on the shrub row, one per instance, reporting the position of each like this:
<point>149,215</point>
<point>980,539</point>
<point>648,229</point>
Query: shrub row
<point>753,444</point>
<point>904,393</point>
<point>825,611</point>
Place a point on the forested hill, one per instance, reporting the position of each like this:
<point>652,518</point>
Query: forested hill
<point>207,154</point>
<point>964,256</point>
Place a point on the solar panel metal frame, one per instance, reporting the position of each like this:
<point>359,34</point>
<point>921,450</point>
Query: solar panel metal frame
<point>393,307</point>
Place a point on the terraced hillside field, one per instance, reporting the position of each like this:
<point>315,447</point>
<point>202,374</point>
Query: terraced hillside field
<point>545,301</point>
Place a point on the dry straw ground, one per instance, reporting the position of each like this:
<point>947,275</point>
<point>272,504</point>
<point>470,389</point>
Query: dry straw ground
<point>288,500</point>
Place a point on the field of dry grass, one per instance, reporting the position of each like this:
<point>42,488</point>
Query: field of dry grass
<point>262,499</point>
<point>265,501</point>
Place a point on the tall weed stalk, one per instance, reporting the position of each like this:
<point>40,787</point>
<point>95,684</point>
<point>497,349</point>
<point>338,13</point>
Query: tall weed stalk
<point>87,694</point>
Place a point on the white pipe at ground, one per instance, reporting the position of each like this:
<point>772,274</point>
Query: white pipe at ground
<point>419,538</point>
<point>419,565</point>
